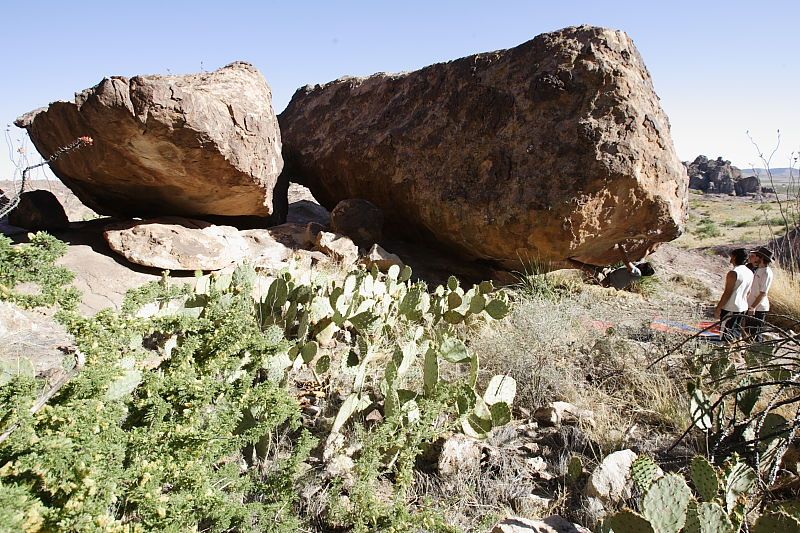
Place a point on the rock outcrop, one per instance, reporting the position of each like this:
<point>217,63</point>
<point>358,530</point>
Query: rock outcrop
<point>748,185</point>
<point>39,210</point>
<point>555,149</point>
<point>718,176</point>
<point>201,144</point>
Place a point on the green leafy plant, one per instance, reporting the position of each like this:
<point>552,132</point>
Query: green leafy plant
<point>34,264</point>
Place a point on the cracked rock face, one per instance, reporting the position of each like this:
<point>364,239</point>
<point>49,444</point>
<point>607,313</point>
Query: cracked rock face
<point>555,149</point>
<point>201,144</point>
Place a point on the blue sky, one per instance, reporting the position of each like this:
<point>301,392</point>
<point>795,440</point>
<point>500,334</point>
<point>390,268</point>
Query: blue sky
<point>720,68</point>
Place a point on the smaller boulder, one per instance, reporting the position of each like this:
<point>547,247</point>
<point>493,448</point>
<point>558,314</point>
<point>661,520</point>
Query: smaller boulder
<point>611,481</point>
<point>39,210</point>
<point>459,454</point>
<point>551,524</point>
<point>748,185</point>
<point>359,219</point>
<point>337,246</point>
<point>175,243</point>
<point>381,258</point>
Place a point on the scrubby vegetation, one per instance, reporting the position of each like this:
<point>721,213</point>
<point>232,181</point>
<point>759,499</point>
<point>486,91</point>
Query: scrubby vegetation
<point>320,400</point>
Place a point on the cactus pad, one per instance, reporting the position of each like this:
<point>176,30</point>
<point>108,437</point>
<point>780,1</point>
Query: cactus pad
<point>665,504</point>
<point>704,477</point>
<point>713,519</point>
<point>644,472</point>
<point>627,521</point>
<point>776,522</point>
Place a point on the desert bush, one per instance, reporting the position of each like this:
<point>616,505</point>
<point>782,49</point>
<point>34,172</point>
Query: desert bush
<point>33,264</point>
<point>179,414</point>
<point>707,229</point>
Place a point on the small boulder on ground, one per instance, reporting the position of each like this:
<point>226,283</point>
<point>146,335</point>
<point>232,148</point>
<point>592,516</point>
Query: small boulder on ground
<point>39,210</point>
<point>611,481</point>
<point>380,258</point>
<point>558,413</point>
<point>337,246</point>
<point>359,219</point>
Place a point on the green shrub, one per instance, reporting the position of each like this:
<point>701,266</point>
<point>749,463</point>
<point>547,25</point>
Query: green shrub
<point>171,419</point>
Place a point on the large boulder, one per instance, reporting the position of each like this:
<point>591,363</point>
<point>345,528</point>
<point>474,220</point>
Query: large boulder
<point>201,144</point>
<point>555,149</point>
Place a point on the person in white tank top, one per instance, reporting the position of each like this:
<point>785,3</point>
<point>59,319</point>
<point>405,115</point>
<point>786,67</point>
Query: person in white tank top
<point>733,303</point>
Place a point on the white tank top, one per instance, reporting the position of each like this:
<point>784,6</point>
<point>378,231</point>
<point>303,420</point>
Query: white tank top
<point>737,303</point>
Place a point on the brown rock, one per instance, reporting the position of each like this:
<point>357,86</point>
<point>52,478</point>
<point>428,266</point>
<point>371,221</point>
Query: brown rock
<point>201,144</point>
<point>38,210</point>
<point>337,246</point>
<point>381,258</point>
<point>555,149</point>
<point>174,243</point>
<point>359,219</point>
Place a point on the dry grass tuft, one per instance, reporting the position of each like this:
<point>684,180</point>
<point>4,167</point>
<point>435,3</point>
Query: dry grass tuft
<point>784,296</point>
<point>555,354</point>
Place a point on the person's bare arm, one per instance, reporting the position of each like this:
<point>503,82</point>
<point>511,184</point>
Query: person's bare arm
<point>624,255</point>
<point>730,281</point>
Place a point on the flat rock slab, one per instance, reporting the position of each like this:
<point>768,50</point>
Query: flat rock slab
<point>174,243</point>
<point>555,149</point>
<point>200,144</point>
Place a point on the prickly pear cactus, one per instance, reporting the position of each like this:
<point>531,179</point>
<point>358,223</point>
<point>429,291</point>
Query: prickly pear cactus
<point>704,477</point>
<point>574,470</point>
<point>627,521</point>
<point>665,504</point>
<point>738,483</point>
<point>712,518</point>
<point>776,523</point>
<point>644,472</point>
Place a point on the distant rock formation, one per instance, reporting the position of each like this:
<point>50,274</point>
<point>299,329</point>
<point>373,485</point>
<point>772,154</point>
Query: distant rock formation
<point>555,149</point>
<point>201,144</point>
<point>720,177</point>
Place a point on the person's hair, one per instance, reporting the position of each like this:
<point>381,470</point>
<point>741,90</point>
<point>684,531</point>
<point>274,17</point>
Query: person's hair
<point>739,256</point>
<point>646,269</point>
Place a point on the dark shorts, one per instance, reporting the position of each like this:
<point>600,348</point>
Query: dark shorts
<point>731,327</point>
<point>754,324</point>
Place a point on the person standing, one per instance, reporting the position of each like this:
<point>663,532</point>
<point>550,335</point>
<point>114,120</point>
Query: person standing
<point>758,298</point>
<point>733,303</point>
